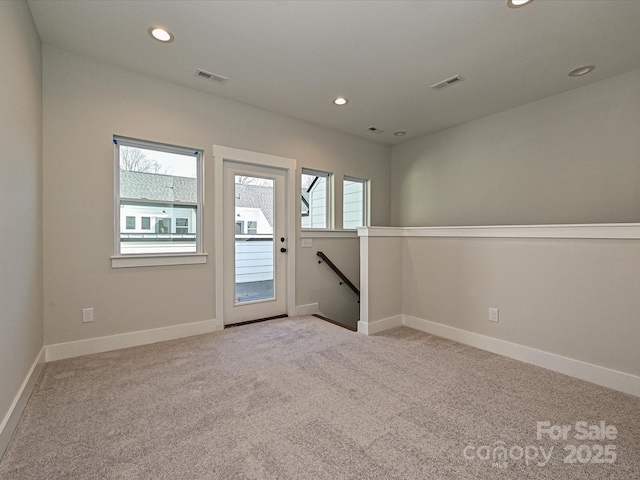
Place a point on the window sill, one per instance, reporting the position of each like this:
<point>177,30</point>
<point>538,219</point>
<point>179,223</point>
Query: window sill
<point>158,260</point>
<point>308,233</point>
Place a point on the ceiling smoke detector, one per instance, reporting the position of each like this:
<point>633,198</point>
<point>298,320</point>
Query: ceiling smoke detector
<point>375,130</point>
<point>212,77</point>
<point>447,83</point>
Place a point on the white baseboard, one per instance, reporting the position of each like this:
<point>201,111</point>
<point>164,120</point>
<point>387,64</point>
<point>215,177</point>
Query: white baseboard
<point>616,380</point>
<point>309,309</point>
<point>10,420</point>
<point>380,325</point>
<point>60,351</point>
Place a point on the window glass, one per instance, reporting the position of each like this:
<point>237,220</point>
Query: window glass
<point>161,185</point>
<point>354,203</point>
<point>315,196</point>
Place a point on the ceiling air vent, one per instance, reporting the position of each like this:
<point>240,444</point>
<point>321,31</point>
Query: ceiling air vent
<point>375,130</point>
<point>212,77</point>
<point>447,83</point>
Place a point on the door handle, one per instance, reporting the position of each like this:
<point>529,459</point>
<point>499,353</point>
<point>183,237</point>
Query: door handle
<point>283,250</point>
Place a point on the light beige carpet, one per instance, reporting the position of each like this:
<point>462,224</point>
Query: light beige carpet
<point>299,398</point>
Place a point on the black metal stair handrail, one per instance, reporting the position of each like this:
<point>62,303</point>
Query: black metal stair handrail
<point>332,266</point>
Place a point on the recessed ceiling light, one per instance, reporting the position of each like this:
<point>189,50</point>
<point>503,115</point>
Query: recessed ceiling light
<point>518,3</point>
<point>161,34</point>
<point>399,134</point>
<point>578,72</point>
<point>341,101</point>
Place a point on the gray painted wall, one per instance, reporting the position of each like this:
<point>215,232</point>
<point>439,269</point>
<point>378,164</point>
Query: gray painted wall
<point>20,187</point>
<point>575,298</point>
<point>86,103</point>
<point>571,158</point>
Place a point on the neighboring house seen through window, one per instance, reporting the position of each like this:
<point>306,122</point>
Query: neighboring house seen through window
<point>182,225</point>
<point>354,203</point>
<point>316,198</point>
<point>159,189</point>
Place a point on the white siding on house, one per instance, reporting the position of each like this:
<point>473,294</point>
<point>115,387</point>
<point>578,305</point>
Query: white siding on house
<point>140,240</point>
<point>254,260</point>
<point>246,215</point>
<point>353,204</point>
<point>155,215</point>
<point>317,205</point>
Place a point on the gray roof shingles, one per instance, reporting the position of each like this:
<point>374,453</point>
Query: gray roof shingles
<point>256,196</point>
<point>153,186</point>
<point>158,187</point>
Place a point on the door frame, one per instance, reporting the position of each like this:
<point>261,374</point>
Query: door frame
<point>289,166</point>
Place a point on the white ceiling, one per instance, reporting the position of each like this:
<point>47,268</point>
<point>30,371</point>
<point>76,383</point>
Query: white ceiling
<point>295,57</point>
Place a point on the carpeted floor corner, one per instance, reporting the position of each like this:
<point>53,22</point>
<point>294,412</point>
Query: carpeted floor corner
<point>299,398</point>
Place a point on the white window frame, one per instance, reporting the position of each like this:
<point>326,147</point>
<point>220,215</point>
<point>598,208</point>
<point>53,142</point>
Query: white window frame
<point>166,258</point>
<point>365,200</point>
<point>329,200</point>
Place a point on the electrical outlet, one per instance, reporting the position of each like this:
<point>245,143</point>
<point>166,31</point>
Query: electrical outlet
<point>493,315</point>
<point>87,315</point>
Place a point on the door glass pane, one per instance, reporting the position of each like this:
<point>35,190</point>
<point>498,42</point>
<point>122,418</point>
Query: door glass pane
<point>254,239</point>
